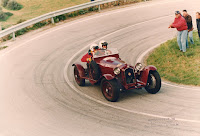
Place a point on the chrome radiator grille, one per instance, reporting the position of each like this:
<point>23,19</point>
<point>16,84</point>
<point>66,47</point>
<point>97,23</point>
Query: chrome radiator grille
<point>129,75</point>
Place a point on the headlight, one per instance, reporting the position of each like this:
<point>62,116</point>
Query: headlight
<point>138,67</point>
<point>117,71</point>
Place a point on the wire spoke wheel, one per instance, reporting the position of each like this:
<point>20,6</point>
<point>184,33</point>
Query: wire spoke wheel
<point>80,81</point>
<point>107,89</point>
<point>153,82</point>
<point>110,89</point>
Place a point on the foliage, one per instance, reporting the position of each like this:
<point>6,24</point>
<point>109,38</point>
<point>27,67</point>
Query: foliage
<point>93,9</point>
<point>4,3</point>
<point>38,25</point>
<point>21,32</point>
<point>13,5</point>
<point>82,11</point>
<point>4,15</point>
<point>20,21</point>
<point>8,13</point>
<point>1,48</point>
<point>60,18</point>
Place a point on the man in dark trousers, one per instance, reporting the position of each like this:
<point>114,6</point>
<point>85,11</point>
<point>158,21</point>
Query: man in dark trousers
<point>181,26</point>
<point>198,22</point>
<point>188,19</point>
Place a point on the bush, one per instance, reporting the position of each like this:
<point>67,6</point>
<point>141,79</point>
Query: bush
<point>81,12</point>
<point>21,32</point>
<point>59,18</point>
<point>70,15</point>
<point>8,13</point>
<point>3,16</point>
<point>4,3</point>
<point>1,48</point>
<point>93,8</point>
<point>39,25</point>
<point>13,5</point>
<point>20,21</point>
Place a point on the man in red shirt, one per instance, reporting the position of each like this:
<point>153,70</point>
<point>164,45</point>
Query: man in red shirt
<point>181,26</point>
<point>88,56</point>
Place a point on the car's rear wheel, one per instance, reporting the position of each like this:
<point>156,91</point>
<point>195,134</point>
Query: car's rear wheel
<point>80,81</point>
<point>110,89</point>
<point>153,82</point>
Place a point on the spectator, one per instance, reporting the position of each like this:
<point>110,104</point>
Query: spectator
<point>181,26</point>
<point>198,22</point>
<point>188,19</point>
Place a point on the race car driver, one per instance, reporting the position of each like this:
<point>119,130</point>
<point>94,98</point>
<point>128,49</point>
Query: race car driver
<point>103,44</point>
<point>88,56</point>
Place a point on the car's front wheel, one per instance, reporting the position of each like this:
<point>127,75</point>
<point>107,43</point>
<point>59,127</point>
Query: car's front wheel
<point>153,82</point>
<point>110,89</point>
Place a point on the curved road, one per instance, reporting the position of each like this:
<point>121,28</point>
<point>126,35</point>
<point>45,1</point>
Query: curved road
<point>38,95</point>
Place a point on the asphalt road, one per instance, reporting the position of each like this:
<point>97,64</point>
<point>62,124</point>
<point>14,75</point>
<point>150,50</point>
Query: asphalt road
<point>38,95</point>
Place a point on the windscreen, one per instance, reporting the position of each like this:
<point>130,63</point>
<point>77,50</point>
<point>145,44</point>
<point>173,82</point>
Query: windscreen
<point>105,52</point>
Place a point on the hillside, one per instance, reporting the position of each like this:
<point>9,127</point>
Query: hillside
<point>34,8</point>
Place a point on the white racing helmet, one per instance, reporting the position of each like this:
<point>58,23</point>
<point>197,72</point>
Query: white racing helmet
<point>92,46</point>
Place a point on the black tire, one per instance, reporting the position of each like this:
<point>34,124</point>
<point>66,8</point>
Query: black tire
<point>153,82</point>
<point>94,71</point>
<point>80,81</point>
<point>110,89</point>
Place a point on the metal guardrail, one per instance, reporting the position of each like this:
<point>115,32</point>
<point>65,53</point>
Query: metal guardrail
<point>13,29</point>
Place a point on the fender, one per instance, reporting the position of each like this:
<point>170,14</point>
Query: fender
<point>145,73</point>
<point>108,76</point>
<point>80,68</point>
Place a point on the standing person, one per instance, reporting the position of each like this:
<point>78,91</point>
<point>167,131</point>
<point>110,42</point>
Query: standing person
<point>181,26</point>
<point>188,19</point>
<point>198,22</point>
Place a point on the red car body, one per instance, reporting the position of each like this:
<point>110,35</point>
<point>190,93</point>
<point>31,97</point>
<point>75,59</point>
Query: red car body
<point>111,69</point>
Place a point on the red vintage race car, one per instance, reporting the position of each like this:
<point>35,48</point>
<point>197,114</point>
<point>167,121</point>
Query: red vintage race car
<point>115,75</point>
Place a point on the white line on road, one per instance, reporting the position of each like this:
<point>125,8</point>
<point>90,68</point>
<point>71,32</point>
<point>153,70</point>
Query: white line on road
<point>106,104</point>
<point>67,65</point>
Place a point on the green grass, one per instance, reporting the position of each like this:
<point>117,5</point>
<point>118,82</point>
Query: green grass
<point>176,66</point>
<point>34,8</point>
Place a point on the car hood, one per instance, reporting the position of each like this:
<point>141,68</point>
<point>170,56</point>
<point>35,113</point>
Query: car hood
<point>113,62</point>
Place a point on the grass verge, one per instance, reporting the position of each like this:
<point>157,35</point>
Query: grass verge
<point>176,66</point>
